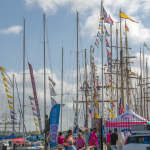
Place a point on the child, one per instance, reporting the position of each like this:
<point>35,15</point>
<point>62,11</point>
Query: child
<point>60,141</point>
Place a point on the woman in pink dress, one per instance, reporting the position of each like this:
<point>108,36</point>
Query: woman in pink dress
<point>80,142</point>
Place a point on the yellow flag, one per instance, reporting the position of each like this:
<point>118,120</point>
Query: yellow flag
<point>6,85</point>
<point>91,55</point>
<point>106,93</point>
<point>2,74</point>
<point>112,116</point>
<point>7,90</point>
<point>111,110</point>
<point>96,115</point>
<point>2,69</point>
<point>4,79</point>
<point>132,73</point>
<point>36,124</point>
<point>122,15</point>
<point>111,100</point>
<point>94,65</point>
<point>11,107</point>
<point>10,102</point>
<point>111,87</point>
<point>35,119</point>
<point>8,96</point>
<point>96,101</point>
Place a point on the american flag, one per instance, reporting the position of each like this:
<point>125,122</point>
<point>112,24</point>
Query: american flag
<point>90,113</point>
<point>121,110</point>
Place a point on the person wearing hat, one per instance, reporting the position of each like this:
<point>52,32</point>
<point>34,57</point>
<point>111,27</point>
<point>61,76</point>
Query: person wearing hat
<point>86,136</point>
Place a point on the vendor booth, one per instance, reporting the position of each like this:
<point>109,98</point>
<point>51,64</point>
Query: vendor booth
<point>123,122</point>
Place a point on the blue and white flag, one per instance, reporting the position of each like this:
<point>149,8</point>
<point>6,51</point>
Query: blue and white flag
<point>52,81</point>
<point>31,98</point>
<point>52,92</point>
<point>34,114</point>
<point>54,124</point>
<point>106,33</point>
<point>53,102</point>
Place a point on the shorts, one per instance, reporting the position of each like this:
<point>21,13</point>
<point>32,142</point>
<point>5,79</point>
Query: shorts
<point>113,147</point>
<point>60,145</point>
<point>108,145</point>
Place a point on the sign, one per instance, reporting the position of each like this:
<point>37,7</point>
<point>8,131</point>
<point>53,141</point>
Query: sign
<point>35,96</point>
<point>54,123</point>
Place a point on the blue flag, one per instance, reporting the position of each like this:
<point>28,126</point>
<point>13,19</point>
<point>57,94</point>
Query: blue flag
<point>54,123</point>
<point>53,102</point>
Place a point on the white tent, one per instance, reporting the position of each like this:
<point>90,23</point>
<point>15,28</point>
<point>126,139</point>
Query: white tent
<point>124,122</point>
<point>129,115</point>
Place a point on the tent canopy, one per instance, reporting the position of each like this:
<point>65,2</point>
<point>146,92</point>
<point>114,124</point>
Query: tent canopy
<point>129,115</point>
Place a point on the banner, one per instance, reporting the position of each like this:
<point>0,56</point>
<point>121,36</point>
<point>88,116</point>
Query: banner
<point>35,96</point>
<point>54,123</point>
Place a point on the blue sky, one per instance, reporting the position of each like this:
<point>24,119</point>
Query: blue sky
<point>61,31</point>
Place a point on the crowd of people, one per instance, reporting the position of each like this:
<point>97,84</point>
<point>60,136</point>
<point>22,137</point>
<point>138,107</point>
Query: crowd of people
<point>83,140</point>
<point>115,141</point>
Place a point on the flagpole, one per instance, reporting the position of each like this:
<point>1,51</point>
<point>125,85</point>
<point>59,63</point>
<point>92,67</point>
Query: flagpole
<point>23,73</point>
<point>44,78</point>
<point>61,90</point>
<point>77,65</point>
<point>102,79</point>
<point>91,88</point>
<point>121,62</point>
<point>13,102</point>
<point>127,86</point>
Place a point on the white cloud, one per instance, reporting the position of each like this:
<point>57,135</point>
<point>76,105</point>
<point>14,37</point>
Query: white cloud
<point>91,10</point>
<point>11,30</point>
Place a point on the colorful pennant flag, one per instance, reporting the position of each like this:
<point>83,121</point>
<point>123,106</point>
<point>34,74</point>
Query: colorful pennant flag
<point>33,109</point>
<point>52,81</point>
<point>132,73</point>
<point>31,98</point>
<point>127,28</point>
<point>111,87</point>
<point>11,107</point>
<point>35,119</point>
<point>8,96</point>
<point>10,102</point>
<point>146,46</point>
<point>96,115</point>
<point>2,69</point>
<point>6,85</point>
<point>52,92</point>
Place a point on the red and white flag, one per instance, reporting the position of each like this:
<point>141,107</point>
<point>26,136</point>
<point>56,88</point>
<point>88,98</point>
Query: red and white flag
<point>121,110</point>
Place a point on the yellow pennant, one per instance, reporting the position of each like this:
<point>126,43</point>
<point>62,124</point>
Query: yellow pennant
<point>35,119</point>
<point>2,69</point>
<point>2,74</point>
<point>111,87</point>
<point>4,79</point>
<point>6,85</point>
<point>36,124</point>
<point>8,96</point>
<point>112,116</point>
<point>111,110</point>
<point>96,101</point>
<point>132,73</point>
<point>106,93</point>
<point>96,115</point>
<point>91,55</point>
<point>7,91</point>
<point>122,15</point>
<point>11,107</point>
<point>111,100</point>
<point>10,102</point>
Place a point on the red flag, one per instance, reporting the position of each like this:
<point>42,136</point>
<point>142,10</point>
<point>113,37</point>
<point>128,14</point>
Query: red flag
<point>34,109</point>
<point>121,110</point>
<point>32,103</point>
<point>3,120</point>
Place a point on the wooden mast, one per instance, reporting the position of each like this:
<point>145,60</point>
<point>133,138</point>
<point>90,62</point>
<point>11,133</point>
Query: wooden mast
<point>121,64</point>
<point>127,83</point>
